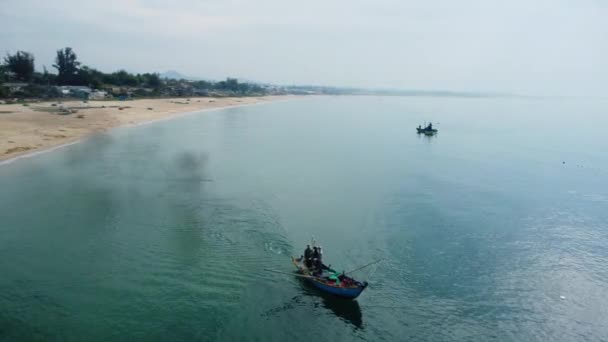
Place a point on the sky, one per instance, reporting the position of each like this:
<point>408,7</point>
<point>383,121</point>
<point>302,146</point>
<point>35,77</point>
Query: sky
<point>532,47</point>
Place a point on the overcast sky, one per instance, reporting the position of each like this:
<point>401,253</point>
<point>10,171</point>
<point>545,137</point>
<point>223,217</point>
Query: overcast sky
<point>537,47</point>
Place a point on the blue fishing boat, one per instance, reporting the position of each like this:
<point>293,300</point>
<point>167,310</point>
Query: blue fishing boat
<point>330,281</point>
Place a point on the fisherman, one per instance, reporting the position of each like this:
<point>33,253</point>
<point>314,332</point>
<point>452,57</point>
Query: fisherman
<point>320,250</point>
<point>316,258</point>
<point>308,256</point>
<point>430,126</point>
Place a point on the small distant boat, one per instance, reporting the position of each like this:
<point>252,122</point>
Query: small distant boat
<point>428,130</point>
<point>330,281</point>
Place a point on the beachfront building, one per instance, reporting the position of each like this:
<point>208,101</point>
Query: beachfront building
<point>14,86</point>
<point>82,92</point>
<point>97,95</point>
<point>75,91</point>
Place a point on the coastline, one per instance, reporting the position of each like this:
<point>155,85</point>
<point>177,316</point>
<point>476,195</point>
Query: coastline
<point>27,131</point>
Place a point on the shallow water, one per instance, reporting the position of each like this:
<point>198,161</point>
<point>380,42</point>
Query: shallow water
<point>495,229</point>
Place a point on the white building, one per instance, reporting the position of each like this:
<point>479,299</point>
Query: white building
<point>97,95</point>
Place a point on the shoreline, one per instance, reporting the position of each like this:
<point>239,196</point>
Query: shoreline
<point>27,131</point>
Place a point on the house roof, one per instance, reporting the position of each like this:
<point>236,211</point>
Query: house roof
<point>77,88</point>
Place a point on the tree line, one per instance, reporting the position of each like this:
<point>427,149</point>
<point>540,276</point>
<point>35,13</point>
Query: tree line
<point>20,67</point>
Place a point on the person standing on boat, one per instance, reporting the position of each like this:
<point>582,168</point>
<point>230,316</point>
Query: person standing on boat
<point>316,258</point>
<point>320,264</point>
<point>308,256</point>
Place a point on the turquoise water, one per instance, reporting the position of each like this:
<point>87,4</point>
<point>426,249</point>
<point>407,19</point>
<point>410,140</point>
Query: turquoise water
<point>495,229</point>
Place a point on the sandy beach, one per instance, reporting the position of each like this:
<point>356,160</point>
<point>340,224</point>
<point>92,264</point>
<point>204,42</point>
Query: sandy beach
<point>44,125</point>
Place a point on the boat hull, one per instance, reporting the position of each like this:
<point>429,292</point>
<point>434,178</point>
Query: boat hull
<point>426,131</point>
<point>350,292</point>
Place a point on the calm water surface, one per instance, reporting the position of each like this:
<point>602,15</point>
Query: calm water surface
<point>495,229</point>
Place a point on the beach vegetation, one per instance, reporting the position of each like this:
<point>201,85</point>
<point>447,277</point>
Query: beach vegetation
<point>44,77</point>
<point>151,80</point>
<point>73,78</point>
<point>90,77</point>
<point>67,65</point>
<point>3,73</point>
<point>20,65</point>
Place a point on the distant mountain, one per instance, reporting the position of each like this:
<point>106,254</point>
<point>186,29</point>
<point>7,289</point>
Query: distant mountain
<point>174,75</point>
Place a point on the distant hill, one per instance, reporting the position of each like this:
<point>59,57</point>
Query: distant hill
<point>174,75</point>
